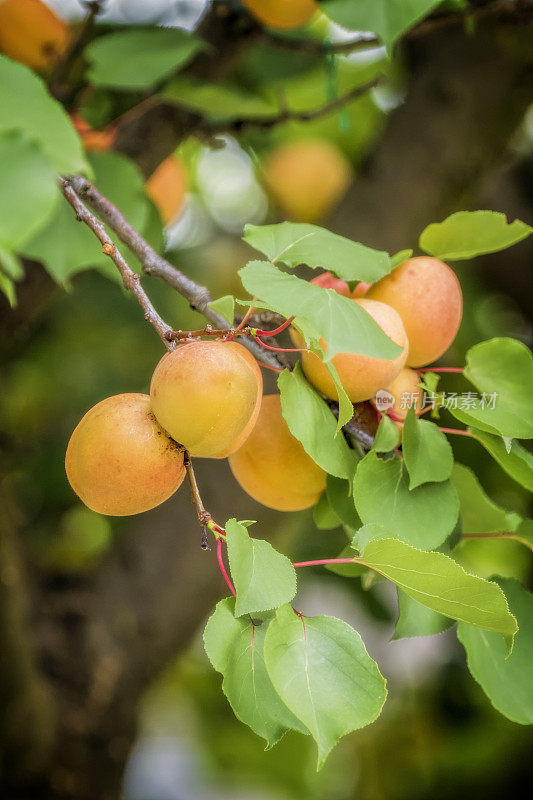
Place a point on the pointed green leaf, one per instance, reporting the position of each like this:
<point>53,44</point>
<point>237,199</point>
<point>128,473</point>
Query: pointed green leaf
<point>467,234</point>
<point>345,404</point>
<point>26,106</point>
<point>138,58</point>
<point>295,243</point>
<point>516,462</point>
<point>414,619</point>
<point>324,516</point>
<point>438,582</point>
<point>387,435</point>
<point>321,670</point>
<point>343,324</point>
<point>28,189</point>
<point>387,18</point>
<point>263,578</point>
<point>7,287</point>
<point>225,306</point>
<point>340,496</point>
<point>400,257</point>
<point>426,451</point>
<point>502,370</point>
<point>479,514</point>
<point>424,516</point>
<point>506,680</point>
<point>219,101</point>
<point>311,422</point>
<point>235,648</point>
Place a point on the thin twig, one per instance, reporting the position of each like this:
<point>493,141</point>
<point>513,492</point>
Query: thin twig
<point>286,115</point>
<point>130,278</point>
<point>62,68</point>
<point>154,264</point>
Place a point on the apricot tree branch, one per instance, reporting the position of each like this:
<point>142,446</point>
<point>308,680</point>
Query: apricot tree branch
<point>153,264</point>
<point>286,115</point>
<point>130,278</point>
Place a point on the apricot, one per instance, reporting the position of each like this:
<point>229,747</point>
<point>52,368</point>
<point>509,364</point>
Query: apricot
<point>120,461</point>
<point>406,393</point>
<point>273,467</point>
<point>361,376</point>
<point>426,294</point>
<point>167,187</point>
<point>328,281</point>
<point>285,14</point>
<point>307,178</point>
<point>207,396</point>
<point>92,138</point>
<point>31,33</point>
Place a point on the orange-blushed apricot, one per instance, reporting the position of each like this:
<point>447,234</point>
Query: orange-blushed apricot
<point>307,178</point>
<point>328,281</point>
<point>426,294</point>
<point>93,138</point>
<point>285,14</point>
<point>31,33</point>
<point>120,461</point>
<point>207,396</point>
<point>167,187</point>
<point>361,376</point>
<point>273,467</point>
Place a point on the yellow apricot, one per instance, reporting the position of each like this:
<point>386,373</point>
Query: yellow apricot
<point>285,14</point>
<point>167,187</point>
<point>31,33</point>
<point>426,294</point>
<point>361,376</point>
<point>207,396</point>
<point>307,178</point>
<point>119,461</point>
<point>406,392</point>
<point>272,466</point>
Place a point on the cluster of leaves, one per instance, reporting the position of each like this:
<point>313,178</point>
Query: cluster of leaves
<point>403,516</point>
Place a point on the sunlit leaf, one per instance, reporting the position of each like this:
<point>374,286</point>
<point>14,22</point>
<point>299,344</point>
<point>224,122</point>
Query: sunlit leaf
<point>467,234</point>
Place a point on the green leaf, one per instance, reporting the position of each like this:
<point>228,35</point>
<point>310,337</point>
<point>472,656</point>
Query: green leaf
<point>7,287</point>
<point>387,18</point>
<point>479,514</point>
<point>387,435</point>
<point>235,649</point>
<point>423,517</point>
<point>467,234</point>
<point>311,422</point>
<point>25,105</point>
<point>324,516</point>
<point>506,680</point>
<point>343,324</point>
<point>321,670</point>
<point>400,257</point>
<point>137,58</point>
<point>10,263</point>
<point>427,453</point>
<point>345,404</point>
<point>524,533</point>
<point>218,101</point>
<point>438,582</point>
<point>502,370</point>
<point>225,306</point>
<point>353,570</point>
<point>263,578</point>
<point>295,243</point>
<point>517,462</point>
<point>340,497</point>
<point>66,246</point>
<point>28,190</point>
<point>369,533</point>
<point>414,619</point>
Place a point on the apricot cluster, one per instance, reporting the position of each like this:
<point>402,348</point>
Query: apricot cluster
<point>127,453</point>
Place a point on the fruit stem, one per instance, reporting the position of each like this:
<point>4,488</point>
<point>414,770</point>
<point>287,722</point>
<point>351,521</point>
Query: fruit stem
<point>279,329</point>
<point>455,430</point>
<point>267,366</point>
<point>223,568</point>
<point>280,349</point>
<point>241,324</point>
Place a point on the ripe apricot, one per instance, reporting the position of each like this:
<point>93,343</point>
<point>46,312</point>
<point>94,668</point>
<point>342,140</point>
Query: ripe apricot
<point>328,281</point>
<point>31,33</point>
<point>282,13</point>
<point>426,294</point>
<point>167,187</point>
<point>272,466</point>
<point>120,461</point>
<point>406,393</point>
<point>361,376</point>
<point>307,178</point>
<point>207,396</point>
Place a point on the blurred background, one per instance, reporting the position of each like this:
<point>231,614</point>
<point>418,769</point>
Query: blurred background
<point>117,606</point>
